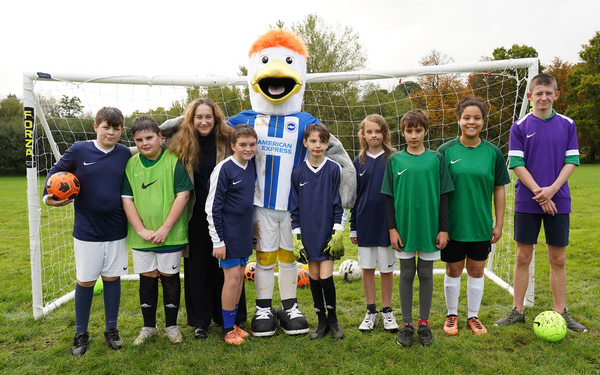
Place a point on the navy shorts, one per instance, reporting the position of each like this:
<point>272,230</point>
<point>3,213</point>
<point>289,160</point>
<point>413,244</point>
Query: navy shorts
<point>233,262</point>
<point>456,251</point>
<point>527,228</point>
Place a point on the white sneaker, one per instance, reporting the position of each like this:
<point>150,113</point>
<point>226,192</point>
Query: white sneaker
<point>369,322</point>
<point>173,334</point>
<point>389,322</point>
<point>144,334</point>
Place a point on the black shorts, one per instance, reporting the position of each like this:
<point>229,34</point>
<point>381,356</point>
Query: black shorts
<point>556,228</point>
<point>457,251</point>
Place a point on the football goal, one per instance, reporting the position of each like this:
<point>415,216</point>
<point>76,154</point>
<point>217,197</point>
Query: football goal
<point>59,110</point>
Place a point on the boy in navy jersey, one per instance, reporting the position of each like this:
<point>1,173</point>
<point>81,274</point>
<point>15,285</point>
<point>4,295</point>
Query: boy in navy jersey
<point>229,215</point>
<point>155,192</point>
<point>316,209</point>
<point>100,227</point>
<point>543,152</point>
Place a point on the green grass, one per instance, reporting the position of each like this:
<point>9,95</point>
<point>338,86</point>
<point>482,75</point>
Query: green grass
<point>31,346</point>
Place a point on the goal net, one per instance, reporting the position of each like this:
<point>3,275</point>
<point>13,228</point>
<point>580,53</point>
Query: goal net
<point>59,110</point>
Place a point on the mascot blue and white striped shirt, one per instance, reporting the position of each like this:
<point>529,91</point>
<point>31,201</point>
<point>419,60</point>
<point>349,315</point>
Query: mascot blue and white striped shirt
<point>279,149</point>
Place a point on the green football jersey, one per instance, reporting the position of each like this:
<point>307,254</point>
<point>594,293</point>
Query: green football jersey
<point>416,183</point>
<point>475,171</point>
<point>154,192</point>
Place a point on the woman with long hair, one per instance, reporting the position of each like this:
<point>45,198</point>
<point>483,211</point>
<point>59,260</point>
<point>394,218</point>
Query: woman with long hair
<point>201,142</point>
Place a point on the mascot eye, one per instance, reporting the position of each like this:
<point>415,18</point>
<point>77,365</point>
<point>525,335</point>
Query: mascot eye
<point>289,60</point>
<point>265,59</point>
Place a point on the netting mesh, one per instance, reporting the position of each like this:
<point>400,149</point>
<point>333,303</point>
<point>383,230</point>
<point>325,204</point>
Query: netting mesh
<point>340,105</point>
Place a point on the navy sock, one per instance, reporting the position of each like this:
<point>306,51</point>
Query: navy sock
<point>83,305</point>
<point>228,318</point>
<point>112,300</point>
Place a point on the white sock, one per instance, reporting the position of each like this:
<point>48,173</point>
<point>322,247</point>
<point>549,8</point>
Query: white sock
<point>264,278</point>
<point>452,291</point>
<point>288,278</point>
<point>474,295</point>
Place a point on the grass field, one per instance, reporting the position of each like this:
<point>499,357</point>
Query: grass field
<point>31,346</point>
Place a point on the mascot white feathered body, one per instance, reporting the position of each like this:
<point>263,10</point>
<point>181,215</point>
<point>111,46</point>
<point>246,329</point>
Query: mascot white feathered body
<point>277,80</point>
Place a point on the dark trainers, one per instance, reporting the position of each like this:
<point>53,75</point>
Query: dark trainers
<point>201,333</point>
<point>336,331</point>
<point>113,339</point>
<point>405,336</point>
<point>572,325</point>
<point>292,321</point>
<point>425,335</point>
<point>512,317</point>
<point>80,343</point>
<point>264,322</point>
<point>321,330</point>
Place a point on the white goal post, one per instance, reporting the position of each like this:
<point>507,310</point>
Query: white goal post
<point>339,100</point>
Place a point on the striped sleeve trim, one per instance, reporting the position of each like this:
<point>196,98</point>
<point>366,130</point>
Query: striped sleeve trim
<point>515,161</point>
<point>572,152</point>
<point>572,159</point>
<point>516,153</point>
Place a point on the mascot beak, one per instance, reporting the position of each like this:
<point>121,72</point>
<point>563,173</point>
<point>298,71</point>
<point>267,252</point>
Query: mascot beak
<point>276,82</point>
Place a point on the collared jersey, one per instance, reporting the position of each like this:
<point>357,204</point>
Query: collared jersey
<point>315,205</point>
<point>278,150</point>
<point>543,147</point>
<point>416,183</point>
<point>99,214</point>
<point>475,171</point>
<point>368,218</point>
<point>229,207</point>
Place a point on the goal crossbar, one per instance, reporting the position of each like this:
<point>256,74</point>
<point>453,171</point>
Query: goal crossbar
<point>34,114</point>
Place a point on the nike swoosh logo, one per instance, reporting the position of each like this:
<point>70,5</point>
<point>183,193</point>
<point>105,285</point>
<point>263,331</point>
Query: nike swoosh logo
<point>174,266</point>
<point>399,173</point>
<point>455,161</point>
<point>303,183</point>
<point>84,163</point>
<point>265,287</point>
<point>363,173</point>
<point>144,186</point>
<point>390,265</point>
<point>236,182</point>
<point>531,135</point>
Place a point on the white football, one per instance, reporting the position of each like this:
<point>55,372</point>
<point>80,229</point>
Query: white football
<point>350,270</point>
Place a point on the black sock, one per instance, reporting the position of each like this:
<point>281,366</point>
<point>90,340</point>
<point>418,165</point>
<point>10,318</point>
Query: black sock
<point>149,299</point>
<point>289,303</point>
<point>264,303</point>
<point>317,295</point>
<point>171,297</point>
<point>328,287</point>
<point>372,308</point>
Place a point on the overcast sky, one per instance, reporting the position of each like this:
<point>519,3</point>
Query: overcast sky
<point>201,38</point>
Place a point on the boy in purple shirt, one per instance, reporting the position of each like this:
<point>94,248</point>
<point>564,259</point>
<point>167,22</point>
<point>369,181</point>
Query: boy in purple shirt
<point>543,153</point>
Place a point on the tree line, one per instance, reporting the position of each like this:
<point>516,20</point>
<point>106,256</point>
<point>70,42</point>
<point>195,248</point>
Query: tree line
<point>343,105</point>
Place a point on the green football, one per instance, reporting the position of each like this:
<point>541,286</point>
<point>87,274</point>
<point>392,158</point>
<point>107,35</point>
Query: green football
<point>550,326</point>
